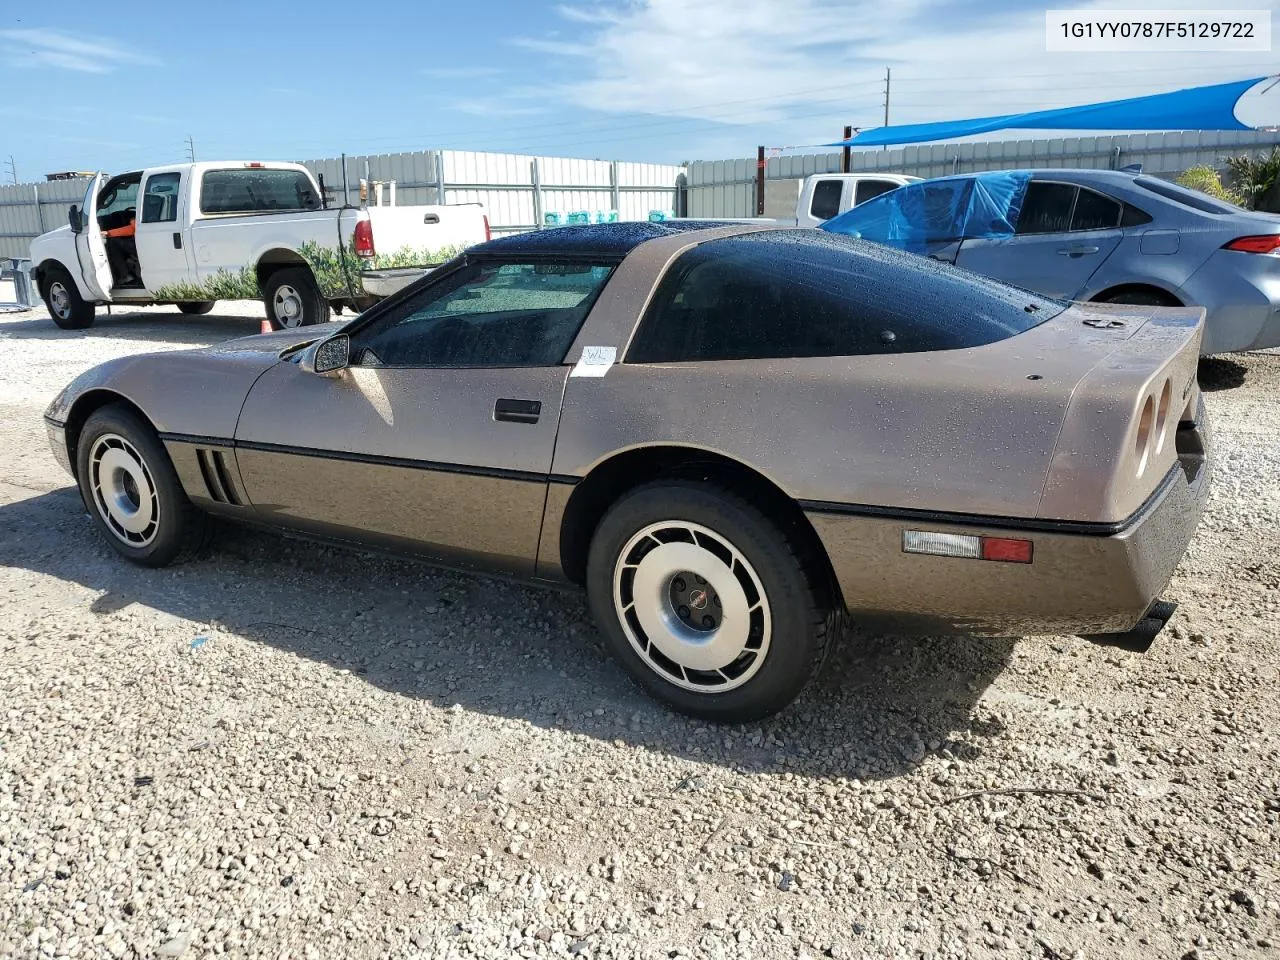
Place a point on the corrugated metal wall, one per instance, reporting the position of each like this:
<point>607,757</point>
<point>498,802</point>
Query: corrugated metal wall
<point>21,219</point>
<point>519,191</point>
<point>726,188</point>
<point>516,190</point>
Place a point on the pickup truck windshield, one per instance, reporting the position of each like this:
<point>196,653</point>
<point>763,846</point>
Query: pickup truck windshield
<point>256,191</point>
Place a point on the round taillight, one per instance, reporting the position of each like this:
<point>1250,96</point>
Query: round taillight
<point>1162,414</point>
<point>1142,446</point>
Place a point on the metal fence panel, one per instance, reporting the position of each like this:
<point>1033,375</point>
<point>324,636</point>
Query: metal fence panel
<point>726,188</point>
<point>503,183</point>
<point>21,220</point>
<point>517,190</point>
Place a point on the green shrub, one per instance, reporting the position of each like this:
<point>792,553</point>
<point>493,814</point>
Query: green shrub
<point>1206,180</point>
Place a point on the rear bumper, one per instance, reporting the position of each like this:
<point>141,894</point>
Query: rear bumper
<point>1242,294</point>
<point>1083,578</point>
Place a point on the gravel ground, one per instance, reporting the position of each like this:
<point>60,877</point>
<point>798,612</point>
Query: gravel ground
<point>289,751</point>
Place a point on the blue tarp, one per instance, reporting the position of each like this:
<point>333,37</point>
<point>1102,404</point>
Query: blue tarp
<point>922,215</point>
<point>1196,108</point>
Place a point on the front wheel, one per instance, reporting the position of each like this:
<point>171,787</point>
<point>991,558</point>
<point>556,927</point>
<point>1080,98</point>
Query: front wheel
<point>197,308</point>
<point>705,602</point>
<point>69,310</point>
<point>131,490</point>
<point>293,299</point>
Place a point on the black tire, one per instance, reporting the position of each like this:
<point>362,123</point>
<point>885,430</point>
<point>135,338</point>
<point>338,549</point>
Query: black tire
<point>69,310</point>
<point>178,531</point>
<point>1141,297</point>
<point>196,308</point>
<point>801,624</point>
<point>294,285</point>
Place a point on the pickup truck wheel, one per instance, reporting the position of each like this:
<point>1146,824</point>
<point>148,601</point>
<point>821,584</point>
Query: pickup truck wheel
<point>197,308</point>
<point>705,602</point>
<point>69,310</point>
<point>293,299</point>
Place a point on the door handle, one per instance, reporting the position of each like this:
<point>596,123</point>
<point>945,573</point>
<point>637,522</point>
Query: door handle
<point>177,241</point>
<point>517,411</point>
<point>1076,251</point>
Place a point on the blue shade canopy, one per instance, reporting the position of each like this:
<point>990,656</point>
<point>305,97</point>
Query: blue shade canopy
<point>920,216</point>
<point>1196,108</point>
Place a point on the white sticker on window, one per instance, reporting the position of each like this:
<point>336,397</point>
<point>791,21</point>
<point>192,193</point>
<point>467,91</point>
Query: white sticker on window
<point>594,362</point>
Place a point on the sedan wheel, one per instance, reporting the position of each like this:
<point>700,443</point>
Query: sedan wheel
<point>706,601</point>
<point>692,606</point>
<point>123,490</point>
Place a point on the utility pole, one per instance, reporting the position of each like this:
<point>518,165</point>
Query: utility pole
<point>888,74</point>
<point>191,145</point>
<point>13,170</point>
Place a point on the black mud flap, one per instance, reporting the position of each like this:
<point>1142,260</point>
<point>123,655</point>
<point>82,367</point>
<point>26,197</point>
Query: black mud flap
<point>1140,638</point>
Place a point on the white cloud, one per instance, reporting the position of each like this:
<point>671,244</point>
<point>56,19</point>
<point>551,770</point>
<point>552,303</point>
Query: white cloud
<point>789,68</point>
<point>493,108</point>
<point>53,48</point>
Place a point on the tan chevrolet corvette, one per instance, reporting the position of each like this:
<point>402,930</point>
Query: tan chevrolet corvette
<point>733,437</point>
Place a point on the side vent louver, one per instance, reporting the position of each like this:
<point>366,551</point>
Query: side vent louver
<point>217,478</point>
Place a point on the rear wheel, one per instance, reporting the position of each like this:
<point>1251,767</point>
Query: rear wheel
<point>293,299</point>
<point>69,310</point>
<point>705,602</point>
<point>195,309</point>
<point>1141,297</point>
<point>131,490</point>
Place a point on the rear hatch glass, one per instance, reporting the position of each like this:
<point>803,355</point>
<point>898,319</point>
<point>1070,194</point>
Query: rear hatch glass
<point>806,293</point>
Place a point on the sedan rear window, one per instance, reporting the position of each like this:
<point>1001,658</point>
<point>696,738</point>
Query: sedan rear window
<point>1188,198</point>
<point>800,293</point>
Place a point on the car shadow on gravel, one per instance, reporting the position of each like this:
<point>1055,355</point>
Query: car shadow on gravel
<point>518,652</point>
<point>178,328</point>
<point>1220,373</point>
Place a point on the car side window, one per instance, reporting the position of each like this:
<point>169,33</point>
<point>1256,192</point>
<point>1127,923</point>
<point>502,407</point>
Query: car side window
<point>776,295</point>
<point>1095,212</point>
<point>870,189</point>
<point>826,199</point>
<point>1133,217</point>
<point>486,314</point>
<point>117,197</point>
<point>160,198</point>
<point>1046,207</point>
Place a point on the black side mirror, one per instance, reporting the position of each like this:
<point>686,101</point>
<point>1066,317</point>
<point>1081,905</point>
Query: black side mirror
<point>332,354</point>
<point>73,218</point>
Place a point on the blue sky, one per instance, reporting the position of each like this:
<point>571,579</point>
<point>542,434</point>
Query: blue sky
<point>122,85</point>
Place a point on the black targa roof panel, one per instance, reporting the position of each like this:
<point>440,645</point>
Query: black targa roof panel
<point>595,239</point>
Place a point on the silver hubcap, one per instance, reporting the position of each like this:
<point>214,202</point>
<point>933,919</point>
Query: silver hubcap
<point>692,607</point>
<point>123,490</point>
<point>59,300</point>
<point>287,305</point>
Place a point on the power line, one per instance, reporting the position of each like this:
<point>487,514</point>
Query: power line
<point>191,148</point>
<point>13,169</point>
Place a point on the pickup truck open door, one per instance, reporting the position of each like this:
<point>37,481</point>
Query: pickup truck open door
<point>91,246</point>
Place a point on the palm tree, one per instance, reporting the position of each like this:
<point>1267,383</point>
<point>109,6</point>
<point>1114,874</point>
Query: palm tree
<point>1254,179</point>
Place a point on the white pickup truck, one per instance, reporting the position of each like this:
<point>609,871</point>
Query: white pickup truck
<point>821,196</point>
<point>194,233</point>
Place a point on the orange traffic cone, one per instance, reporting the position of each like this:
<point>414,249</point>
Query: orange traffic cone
<point>266,326</point>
